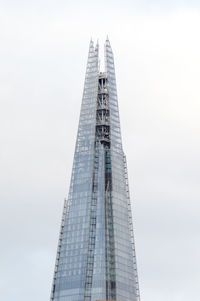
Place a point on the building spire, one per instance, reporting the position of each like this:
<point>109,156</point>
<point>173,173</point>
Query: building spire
<point>97,46</point>
<point>96,251</point>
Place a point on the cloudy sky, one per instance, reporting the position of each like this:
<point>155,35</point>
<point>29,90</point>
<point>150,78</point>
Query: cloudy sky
<point>43,54</point>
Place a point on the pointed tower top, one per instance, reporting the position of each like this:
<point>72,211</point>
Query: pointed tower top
<point>97,45</point>
<point>107,41</point>
<point>107,44</point>
<point>91,43</point>
<point>99,184</point>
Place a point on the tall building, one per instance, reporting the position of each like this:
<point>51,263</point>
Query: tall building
<point>96,251</point>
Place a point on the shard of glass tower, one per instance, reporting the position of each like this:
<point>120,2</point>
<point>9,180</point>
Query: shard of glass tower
<point>96,252</point>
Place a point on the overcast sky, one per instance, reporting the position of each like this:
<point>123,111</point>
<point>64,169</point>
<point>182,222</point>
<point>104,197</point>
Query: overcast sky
<point>43,53</point>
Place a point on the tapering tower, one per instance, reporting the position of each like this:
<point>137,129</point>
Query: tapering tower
<point>96,252</point>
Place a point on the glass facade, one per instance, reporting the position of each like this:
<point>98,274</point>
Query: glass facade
<point>96,253</point>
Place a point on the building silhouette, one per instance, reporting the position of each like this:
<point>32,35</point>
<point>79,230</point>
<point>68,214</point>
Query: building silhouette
<point>96,252</point>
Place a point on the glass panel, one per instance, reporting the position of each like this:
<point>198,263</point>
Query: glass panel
<point>125,271</point>
<point>96,252</point>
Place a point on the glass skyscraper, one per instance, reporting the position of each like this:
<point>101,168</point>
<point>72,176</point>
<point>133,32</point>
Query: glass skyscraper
<point>96,252</point>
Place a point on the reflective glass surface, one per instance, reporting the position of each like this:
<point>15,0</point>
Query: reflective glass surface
<point>96,252</point>
<point>125,271</point>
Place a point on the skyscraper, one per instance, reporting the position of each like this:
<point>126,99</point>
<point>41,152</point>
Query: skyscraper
<point>96,251</point>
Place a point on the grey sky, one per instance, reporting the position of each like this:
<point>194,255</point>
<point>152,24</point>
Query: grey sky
<point>43,54</point>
